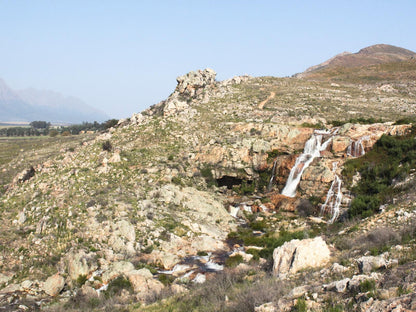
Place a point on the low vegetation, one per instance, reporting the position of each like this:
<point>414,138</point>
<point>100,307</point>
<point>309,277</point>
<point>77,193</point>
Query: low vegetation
<point>388,163</point>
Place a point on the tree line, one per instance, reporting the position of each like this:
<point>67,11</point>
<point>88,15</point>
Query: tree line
<point>38,128</point>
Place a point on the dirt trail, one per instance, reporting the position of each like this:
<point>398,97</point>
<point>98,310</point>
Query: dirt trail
<point>271,96</point>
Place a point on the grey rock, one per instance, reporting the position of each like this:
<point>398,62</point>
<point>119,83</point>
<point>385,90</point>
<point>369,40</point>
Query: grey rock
<point>367,264</point>
<point>300,254</point>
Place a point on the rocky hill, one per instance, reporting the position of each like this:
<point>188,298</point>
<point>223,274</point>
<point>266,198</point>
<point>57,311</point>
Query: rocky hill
<point>380,62</point>
<point>216,198</point>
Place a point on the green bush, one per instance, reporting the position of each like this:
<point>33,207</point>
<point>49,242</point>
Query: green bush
<point>107,146</point>
<point>300,305</point>
<point>367,285</point>
<point>116,286</point>
<point>81,280</point>
<point>390,161</point>
<point>166,279</point>
<point>53,133</point>
<point>233,261</point>
<point>206,172</point>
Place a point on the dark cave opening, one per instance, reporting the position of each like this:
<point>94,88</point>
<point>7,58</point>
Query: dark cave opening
<point>229,181</point>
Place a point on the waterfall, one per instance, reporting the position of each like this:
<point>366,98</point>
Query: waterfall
<point>313,149</point>
<point>270,185</point>
<point>333,197</point>
<point>356,148</point>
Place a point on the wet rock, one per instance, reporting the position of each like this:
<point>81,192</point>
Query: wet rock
<point>300,254</point>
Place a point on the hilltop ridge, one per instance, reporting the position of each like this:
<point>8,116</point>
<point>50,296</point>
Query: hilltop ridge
<point>367,59</point>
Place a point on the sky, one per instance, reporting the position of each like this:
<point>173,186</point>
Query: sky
<point>124,56</point>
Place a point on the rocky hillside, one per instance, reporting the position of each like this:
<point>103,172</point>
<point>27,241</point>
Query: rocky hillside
<point>186,201</point>
<point>377,63</point>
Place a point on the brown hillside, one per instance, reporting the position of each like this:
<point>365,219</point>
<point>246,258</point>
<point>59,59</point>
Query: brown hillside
<point>379,62</point>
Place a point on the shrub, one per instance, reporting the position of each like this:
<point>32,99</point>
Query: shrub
<point>300,305</point>
<point>53,133</point>
<point>81,280</point>
<point>116,286</point>
<point>107,146</point>
<point>367,285</point>
<point>166,279</point>
<point>233,261</point>
<point>305,208</point>
<point>206,172</point>
<point>110,123</point>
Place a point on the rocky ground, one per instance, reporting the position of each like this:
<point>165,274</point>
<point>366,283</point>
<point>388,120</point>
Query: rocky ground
<point>139,217</point>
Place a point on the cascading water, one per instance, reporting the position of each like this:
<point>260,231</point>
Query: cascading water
<point>270,185</point>
<point>313,149</point>
<point>333,197</point>
<point>356,148</point>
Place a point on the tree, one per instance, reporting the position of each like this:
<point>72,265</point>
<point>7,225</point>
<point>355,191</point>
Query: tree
<point>40,124</point>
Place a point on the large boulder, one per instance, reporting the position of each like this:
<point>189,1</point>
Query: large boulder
<point>80,263</point>
<point>143,283</point>
<point>117,269</point>
<point>366,264</point>
<point>54,285</point>
<point>300,254</point>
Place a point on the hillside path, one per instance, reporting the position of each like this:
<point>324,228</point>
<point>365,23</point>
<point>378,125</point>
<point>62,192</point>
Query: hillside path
<point>271,96</point>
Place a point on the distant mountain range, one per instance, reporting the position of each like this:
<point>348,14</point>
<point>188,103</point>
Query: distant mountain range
<point>30,104</point>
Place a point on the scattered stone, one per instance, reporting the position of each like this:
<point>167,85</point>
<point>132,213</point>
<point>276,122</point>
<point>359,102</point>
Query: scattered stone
<point>266,307</point>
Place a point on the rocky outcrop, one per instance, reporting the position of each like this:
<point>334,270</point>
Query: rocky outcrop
<point>192,83</point>
<point>190,86</point>
<point>300,254</point>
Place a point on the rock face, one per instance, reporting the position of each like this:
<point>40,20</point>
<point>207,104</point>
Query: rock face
<point>300,254</point>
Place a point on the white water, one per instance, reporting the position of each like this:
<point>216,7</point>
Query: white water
<point>356,148</point>
<point>333,197</point>
<point>270,185</point>
<point>313,149</point>
<point>234,211</point>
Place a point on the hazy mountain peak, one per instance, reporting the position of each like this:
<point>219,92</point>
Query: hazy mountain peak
<point>31,104</point>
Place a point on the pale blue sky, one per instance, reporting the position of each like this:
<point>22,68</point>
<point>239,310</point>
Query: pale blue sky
<point>123,56</point>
